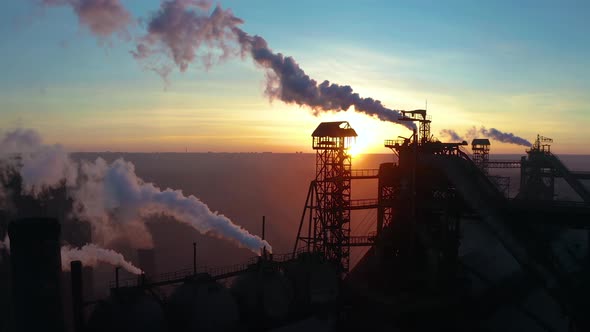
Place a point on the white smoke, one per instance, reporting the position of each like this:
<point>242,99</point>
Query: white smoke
<point>4,247</point>
<point>91,255</point>
<point>111,196</point>
<point>5,244</point>
<point>115,191</point>
<point>40,166</point>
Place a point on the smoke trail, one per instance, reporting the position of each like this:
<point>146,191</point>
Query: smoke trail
<point>115,190</point>
<point>102,17</point>
<point>482,132</point>
<point>112,197</point>
<point>40,166</point>
<point>5,244</point>
<point>91,255</point>
<point>4,247</point>
<point>497,135</point>
<point>181,27</point>
<point>451,134</point>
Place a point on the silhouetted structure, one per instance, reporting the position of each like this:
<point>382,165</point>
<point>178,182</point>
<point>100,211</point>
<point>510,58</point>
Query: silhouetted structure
<point>329,194</point>
<point>481,153</point>
<point>36,268</point>
<point>431,202</point>
<point>77,295</point>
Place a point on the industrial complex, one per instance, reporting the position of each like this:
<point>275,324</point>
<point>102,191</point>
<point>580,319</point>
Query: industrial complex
<point>452,250</point>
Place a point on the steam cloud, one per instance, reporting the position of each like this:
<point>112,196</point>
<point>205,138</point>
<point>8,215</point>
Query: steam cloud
<point>41,166</point>
<point>116,189</point>
<point>492,133</point>
<point>497,135</point>
<point>181,27</point>
<point>102,17</point>
<point>5,244</point>
<point>91,255</point>
<point>450,133</point>
<point>112,197</point>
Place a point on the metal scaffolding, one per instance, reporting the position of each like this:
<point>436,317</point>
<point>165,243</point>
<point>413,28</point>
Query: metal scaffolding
<point>328,199</point>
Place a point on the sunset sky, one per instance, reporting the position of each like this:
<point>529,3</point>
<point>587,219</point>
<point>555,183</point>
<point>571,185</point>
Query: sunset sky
<point>522,68</point>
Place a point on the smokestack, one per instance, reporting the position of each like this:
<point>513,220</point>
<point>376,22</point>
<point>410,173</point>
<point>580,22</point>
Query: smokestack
<point>36,272</point>
<point>263,227</point>
<point>147,261</point>
<point>194,258</point>
<point>88,282</point>
<point>77,295</point>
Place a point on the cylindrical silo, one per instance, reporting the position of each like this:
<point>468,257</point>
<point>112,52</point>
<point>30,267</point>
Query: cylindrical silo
<point>264,296</point>
<point>202,305</point>
<point>128,310</point>
<point>36,272</point>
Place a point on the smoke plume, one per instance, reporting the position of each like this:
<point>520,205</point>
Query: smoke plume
<point>91,255</point>
<point>450,133</point>
<point>115,190</point>
<point>111,197</point>
<point>183,31</point>
<point>102,17</point>
<point>5,244</point>
<point>497,135</point>
<point>483,132</point>
<point>40,166</point>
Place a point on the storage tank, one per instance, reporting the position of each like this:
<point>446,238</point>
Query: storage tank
<point>266,295</point>
<point>202,305</point>
<point>316,282</point>
<point>36,272</point>
<point>128,311</point>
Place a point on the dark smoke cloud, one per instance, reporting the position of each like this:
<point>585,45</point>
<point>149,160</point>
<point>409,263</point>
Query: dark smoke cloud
<point>497,135</point>
<point>181,27</point>
<point>178,31</point>
<point>483,132</point>
<point>102,17</point>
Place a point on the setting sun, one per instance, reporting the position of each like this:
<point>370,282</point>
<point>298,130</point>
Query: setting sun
<point>359,146</point>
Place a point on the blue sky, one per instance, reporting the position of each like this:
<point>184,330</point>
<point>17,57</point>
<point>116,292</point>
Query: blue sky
<point>522,67</point>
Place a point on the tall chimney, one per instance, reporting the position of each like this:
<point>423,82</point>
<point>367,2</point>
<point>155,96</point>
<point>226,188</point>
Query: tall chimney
<point>77,295</point>
<point>36,271</point>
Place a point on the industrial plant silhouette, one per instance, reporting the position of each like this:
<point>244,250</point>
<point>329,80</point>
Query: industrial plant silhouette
<point>452,250</point>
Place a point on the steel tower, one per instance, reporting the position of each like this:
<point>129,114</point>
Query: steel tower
<point>328,198</point>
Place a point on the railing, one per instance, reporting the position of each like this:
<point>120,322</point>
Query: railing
<point>550,204</point>
<point>216,272</point>
<point>364,173</point>
<point>366,203</point>
<point>390,143</point>
<point>581,175</point>
<point>503,164</point>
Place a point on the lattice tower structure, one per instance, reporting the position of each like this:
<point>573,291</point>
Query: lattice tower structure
<point>331,226</point>
<point>481,153</point>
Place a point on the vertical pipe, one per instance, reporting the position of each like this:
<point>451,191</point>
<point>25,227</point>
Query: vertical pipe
<point>263,226</point>
<point>311,211</point>
<point>413,197</point>
<point>77,295</point>
<point>194,258</point>
<point>36,274</point>
<point>117,277</point>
